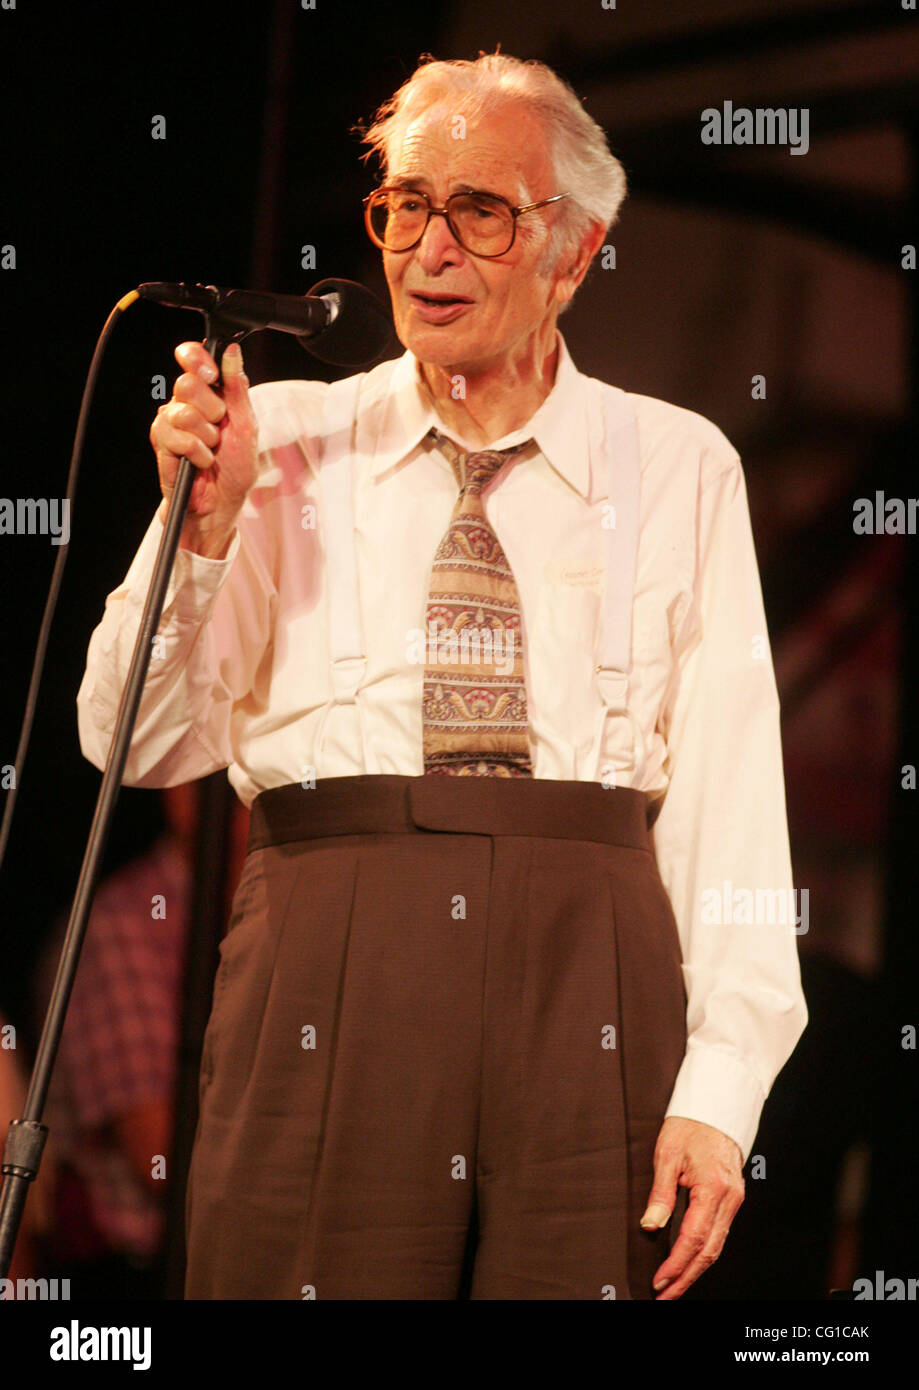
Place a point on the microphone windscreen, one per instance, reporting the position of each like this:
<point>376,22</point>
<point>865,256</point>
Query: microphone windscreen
<point>359,334</point>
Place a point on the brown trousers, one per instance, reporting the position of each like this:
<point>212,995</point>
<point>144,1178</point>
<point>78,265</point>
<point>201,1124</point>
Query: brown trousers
<point>447,1020</point>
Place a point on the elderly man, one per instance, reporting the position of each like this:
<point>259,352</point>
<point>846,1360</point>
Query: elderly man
<point>481,640</point>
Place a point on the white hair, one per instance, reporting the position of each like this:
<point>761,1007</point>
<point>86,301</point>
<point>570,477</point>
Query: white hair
<point>579,155</point>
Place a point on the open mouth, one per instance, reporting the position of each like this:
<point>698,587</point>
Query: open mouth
<point>439,301</point>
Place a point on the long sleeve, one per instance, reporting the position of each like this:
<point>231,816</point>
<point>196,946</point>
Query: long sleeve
<point>721,838</point>
<point>213,632</point>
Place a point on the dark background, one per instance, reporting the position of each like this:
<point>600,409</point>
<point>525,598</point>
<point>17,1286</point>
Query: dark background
<point>729,263</point>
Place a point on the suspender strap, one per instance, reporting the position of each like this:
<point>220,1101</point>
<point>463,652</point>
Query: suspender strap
<point>346,645</point>
<point>621,520</point>
<point>346,642</point>
<point>624,490</point>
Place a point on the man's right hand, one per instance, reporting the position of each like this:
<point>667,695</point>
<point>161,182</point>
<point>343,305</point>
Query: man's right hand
<point>219,435</point>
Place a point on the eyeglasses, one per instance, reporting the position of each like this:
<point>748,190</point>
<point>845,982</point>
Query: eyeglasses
<point>482,223</point>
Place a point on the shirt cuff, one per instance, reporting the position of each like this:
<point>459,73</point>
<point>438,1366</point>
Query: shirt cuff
<point>194,583</point>
<point>717,1088</point>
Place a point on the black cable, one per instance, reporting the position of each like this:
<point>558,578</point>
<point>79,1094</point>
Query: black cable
<point>38,664</point>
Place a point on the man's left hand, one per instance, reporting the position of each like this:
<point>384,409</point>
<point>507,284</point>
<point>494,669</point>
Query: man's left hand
<point>708,1162</point>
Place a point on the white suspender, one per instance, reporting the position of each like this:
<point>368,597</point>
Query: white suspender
<point>348,657</point>
<point>623,461</point>
<point>336,519</point>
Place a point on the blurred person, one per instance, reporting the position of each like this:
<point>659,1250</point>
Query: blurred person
<point>110,1105</point>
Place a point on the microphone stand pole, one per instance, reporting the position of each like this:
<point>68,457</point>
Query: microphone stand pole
<point>27,1135</point>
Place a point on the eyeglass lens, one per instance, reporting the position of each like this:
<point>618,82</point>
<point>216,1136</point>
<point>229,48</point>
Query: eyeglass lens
<point>480,222</point>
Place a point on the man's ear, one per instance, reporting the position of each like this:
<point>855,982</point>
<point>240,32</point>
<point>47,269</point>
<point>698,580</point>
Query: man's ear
<point>575,262</point>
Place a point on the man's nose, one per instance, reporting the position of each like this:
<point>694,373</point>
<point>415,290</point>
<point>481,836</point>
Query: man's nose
<point>437,243</point>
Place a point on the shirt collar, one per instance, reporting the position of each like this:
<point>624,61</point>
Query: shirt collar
<point>559,425</point>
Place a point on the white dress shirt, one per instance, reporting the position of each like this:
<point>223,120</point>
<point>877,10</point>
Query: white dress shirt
<point>240,677</point>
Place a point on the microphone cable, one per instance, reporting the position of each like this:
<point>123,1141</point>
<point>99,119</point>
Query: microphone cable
<point>57,576</point>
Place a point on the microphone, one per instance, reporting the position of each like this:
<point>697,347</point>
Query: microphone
<point>338,321</point>
<point>359,333</point>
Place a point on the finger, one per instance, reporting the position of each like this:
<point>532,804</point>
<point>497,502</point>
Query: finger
<point>188,418</point>
<point>662,1197</point>
<point>194,357</point>
<point>184,443</point>
<point>706,1256</point>
<point>235,383</point>
<point>695,1230</point>
<point>191,390</point>
<point>711,1210</point>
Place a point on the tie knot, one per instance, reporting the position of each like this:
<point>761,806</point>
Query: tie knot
<point>473,470</point>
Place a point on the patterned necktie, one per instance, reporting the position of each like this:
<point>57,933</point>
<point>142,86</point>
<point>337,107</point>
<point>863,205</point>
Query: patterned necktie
<point>474,707</point>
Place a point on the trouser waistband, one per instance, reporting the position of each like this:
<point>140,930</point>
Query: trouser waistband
<point>389,803</point>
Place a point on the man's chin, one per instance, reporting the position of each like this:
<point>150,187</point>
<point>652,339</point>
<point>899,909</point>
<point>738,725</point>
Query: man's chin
<point>441,345</point>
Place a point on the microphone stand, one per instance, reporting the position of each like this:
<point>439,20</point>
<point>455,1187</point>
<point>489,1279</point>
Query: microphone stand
<point>26,1136</point>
